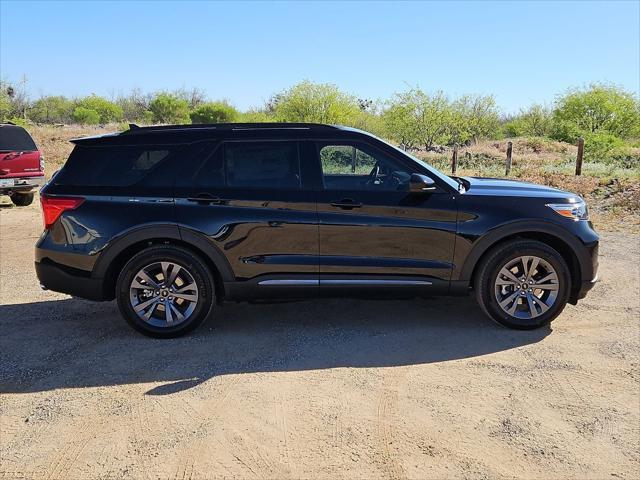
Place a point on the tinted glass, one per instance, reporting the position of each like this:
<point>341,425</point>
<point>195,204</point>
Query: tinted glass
<point>211,173</point>
<point>15,139</point>
<point>115,166</point>
<point>349,167</point>
<point>262,165</point>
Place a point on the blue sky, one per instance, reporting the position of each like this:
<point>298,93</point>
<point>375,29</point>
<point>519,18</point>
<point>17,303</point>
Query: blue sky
<point>521,52</point>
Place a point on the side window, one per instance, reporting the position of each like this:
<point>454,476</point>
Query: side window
<point>359,167</point>
<point>262,164</point>
<point>210,174</point>
<point>113,166</point>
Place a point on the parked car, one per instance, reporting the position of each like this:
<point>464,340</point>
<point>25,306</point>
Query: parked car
<point>21,164</point>
<point>173,220</point>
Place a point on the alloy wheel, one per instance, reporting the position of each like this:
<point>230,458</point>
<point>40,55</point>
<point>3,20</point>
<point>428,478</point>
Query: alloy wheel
<point>526,287</point>
<point>163,294</point>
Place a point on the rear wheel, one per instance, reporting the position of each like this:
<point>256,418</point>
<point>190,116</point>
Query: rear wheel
<point>165,291</point>
<point>523,284</point>
<point>22,199</point>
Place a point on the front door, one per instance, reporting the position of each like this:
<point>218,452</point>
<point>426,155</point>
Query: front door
<point>373,232</point>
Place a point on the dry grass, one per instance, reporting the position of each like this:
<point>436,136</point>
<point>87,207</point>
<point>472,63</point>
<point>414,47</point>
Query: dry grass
<point>613,193</point>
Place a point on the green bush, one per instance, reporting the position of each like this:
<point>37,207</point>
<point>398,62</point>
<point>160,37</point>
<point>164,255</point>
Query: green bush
<point>86,116</point>
<point>598,147</point>
<point>169,108</point>
<point>600,108</point>
<point>214,112</point>
<point>625,157</point>
<point>52,109</point>
<point>107,111</point>
<point>536,121</point>
<point>316,103</point>
<point>20,121</point>
<point>255,116</point>
<point>5,105</point>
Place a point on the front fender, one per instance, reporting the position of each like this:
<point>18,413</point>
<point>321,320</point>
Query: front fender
<point>469,251</point>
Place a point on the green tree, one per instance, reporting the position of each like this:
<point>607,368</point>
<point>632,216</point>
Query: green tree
<point>536,121</point>
<point>5,104</point>
<point>314,102</point>
<point>256,116</point>
<point>416,118</point>
<point>600,108</point>
<point>108,111</point>
<point>599,146</point>
<point>169,108</point>
<point>478,116</point>
<point>52,109</point>
<point>135,106</point>
<point>433,117</point>
<point>399,124</point>
<point>86,116</point>
<point>215,112</point>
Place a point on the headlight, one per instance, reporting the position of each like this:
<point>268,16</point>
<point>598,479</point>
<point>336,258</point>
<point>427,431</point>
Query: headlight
<point>575,211</point>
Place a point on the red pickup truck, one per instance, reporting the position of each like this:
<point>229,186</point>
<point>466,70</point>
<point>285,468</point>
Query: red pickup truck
<point>21,165</point>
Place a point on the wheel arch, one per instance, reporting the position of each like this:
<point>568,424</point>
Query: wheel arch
<point>113,259</point>
<point>568,247</point>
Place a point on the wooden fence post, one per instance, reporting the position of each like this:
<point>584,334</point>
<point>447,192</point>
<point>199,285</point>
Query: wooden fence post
<point>579,157</point>
<point>507,169</point>
<point>454,160</point>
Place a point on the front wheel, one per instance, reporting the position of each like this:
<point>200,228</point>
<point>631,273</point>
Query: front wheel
<point>165,291</point>
<point>523,284</point>
<point>22,199</point>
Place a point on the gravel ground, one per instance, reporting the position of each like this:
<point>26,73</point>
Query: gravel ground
<point>317,389</point>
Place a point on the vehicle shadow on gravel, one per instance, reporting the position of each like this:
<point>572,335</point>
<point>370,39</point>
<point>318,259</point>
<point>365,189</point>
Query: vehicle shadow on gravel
<point>74,343</point>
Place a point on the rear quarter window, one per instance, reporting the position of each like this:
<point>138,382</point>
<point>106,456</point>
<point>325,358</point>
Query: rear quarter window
<point>114,166</point>
<point>15,139</point>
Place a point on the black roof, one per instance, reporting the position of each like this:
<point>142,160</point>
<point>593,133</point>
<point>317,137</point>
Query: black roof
<point>168,134</point>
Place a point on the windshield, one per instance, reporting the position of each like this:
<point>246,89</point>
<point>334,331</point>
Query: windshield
<point>434,173</point>
<point>15,139</point>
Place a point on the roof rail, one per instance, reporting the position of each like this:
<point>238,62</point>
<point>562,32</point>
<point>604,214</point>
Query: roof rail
<point>134,129</point>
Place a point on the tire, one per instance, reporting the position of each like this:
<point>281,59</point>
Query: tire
<point>534,308</point>
<point>22,199</point>
<point>193,275</point>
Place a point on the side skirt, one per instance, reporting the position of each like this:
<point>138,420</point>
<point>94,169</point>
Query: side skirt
<point>285,286</point>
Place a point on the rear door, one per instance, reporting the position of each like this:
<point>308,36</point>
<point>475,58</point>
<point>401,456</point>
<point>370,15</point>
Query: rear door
<point>373,232</point>
<point>252,200</point>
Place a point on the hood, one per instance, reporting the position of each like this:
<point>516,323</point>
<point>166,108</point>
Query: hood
<point>498,187</point>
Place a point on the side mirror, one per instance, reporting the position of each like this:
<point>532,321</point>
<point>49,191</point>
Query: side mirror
<point>419,183</point>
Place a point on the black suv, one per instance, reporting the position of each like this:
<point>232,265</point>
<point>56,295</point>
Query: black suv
<point>172,220</point>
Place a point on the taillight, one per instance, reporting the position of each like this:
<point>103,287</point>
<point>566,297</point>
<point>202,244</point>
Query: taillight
<point>41,163</point>
<point>53,207</point>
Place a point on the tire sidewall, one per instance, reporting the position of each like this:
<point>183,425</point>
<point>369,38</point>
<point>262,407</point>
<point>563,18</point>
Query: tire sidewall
<point>186,260</point>
<point>22,199</point>
<point>500,258</point>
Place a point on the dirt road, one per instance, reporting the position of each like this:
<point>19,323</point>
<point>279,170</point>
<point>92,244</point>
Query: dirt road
<point>317,389</point>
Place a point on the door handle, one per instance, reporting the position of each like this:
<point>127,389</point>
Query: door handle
<point>205,198</point>
<point>346,204</point>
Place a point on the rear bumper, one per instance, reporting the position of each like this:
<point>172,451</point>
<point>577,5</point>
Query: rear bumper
<point>22,184</point>
<point>58,278</point>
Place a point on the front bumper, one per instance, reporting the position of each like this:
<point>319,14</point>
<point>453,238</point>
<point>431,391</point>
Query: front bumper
<point>589,282</point>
